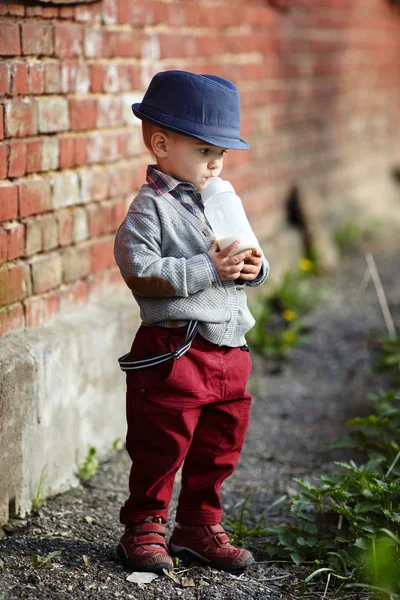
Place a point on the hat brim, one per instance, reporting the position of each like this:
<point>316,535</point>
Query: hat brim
<point>228,143</point>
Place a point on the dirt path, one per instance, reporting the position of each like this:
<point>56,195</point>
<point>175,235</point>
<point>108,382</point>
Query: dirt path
<point>296,414</point>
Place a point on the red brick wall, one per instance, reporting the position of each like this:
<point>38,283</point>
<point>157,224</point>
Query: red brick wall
<point>320,88</point>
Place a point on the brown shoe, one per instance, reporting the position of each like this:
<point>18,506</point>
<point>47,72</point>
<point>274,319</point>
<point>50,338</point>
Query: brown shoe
<point>211,545</point>
<point>143,547</point>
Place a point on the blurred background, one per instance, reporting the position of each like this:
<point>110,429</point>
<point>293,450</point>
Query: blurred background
<point>320,92</point>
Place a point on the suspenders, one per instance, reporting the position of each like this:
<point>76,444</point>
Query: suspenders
<point>130,365</point>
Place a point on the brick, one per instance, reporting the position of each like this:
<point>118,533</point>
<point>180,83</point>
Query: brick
<point>11,318</point>
<point>46,272</point>
<point>34,196</point>
<point>4,151</point>
<point>75,294</point>
<point>52,115</point>
<point>122,43</point>
<point>102,256</point>
<point>37,38</point>
<point>94,184</point>
<point>21,118</point>
<point>94,43</point>
<point>76,263</point>
<point>14,282</point>
<point>33,236</point>
<point>88,13</point>
<point>15,240</point>
<point>82,78</point>
<point>80,225</point>
<point>4,79</point>
<point>109,111</point>
<point>16,10</point>
<point>82,114</point>
<point>52,78</point>
<point>34,11</point>
<point>33,155</point>
<point>110,11</point>
<point>10,43</point>
<point>65,227</point>
<point>81,151</point>
<point>19,78</point>
<point>49,232</point>
<point>66,12</point>
<point>68,41</point>
<point>8,201</point>
<point>50,154</point>
<point>67,158</point>
<point>68,72</point>
<point>49,12</point>
<point>64,189</point>
<point>36,78</point>
<point>17,158</point>
<point>39,309</point>
<point>97,73</point>
<point>95,220</point>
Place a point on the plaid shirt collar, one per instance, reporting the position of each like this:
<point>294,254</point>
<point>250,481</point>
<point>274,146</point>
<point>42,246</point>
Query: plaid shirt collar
<point>162,183</point>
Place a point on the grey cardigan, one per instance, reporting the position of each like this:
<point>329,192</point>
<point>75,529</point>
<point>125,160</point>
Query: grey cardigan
<point>161,249</point>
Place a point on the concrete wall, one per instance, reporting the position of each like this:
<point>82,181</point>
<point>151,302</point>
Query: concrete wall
<point>61,390</point>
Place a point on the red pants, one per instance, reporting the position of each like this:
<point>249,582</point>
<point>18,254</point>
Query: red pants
<point>193,410</point>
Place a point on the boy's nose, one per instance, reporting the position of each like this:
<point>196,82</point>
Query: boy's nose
<point>214,163</point>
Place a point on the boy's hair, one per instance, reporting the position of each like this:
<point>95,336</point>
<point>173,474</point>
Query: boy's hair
<point>147,131</point>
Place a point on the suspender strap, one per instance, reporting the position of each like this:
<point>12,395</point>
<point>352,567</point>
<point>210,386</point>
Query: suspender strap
<point>131,365</point>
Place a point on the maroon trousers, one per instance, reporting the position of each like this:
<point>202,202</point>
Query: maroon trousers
<point>194,410</point>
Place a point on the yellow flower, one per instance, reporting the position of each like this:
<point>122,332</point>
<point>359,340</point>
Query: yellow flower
<point>306,264</point>
<point>288,315</point>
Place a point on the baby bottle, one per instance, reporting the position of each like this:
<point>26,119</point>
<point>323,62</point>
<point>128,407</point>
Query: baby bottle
<point>225,213</point>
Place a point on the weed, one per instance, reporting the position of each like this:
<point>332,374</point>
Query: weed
<point>244,525</point>
<point>38,497</point>
<point>118,444</point>
<point>39,562</point>
<point>349,234</point>
<point>390,361</point>
<point>337,521</point>
<point>278,327</point>
<point>89,466</point>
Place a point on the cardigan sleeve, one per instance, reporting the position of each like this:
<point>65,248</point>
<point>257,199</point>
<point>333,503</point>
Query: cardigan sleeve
<point>137,251</point>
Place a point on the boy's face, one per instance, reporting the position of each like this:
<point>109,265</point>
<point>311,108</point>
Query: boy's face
<point>192,160</point>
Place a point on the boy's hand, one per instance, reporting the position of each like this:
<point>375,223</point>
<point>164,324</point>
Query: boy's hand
<point>252,266</point>
<point>228,267</point>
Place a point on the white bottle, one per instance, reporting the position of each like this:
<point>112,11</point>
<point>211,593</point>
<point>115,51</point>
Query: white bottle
<point>225,213</point>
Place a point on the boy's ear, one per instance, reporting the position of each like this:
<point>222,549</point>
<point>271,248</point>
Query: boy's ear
<point>159,144</point>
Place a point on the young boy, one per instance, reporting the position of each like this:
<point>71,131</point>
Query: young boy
<point>189,364</point>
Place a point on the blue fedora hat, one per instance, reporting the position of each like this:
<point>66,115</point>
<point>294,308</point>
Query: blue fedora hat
<point>206,107</point>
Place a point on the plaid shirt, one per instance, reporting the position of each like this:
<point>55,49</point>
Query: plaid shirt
<point>185,193</point>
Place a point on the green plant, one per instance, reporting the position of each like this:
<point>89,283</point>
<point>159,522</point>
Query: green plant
<point>347,236</point>
<point>338,518</point>
<point>89,466</point>
<point>279,327</point>
<point>390,361</point>
<point>37,499</point>
<point>244,525</point>
<point>39,562</point>
<point>118,444</point>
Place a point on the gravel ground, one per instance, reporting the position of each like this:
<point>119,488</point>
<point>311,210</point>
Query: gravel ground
<point>300,407</point>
